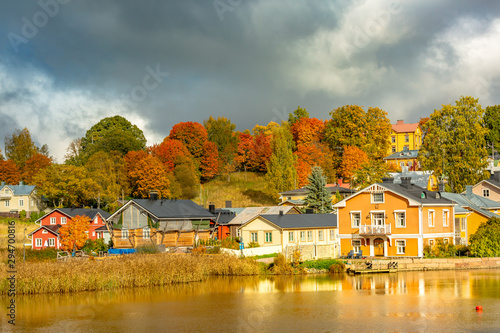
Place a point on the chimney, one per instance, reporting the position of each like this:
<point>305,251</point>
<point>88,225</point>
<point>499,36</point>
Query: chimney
<point>441,187</point>
<point>400,122</point>
<point>388,180</point>
<point>281,213</point>
<point>229,204</point>
<point>211,208</point>
<point>468,191</point>
<point>3,184</point>
<point>406,182</point>
<point>496,176</point>
<point>309,211</point>
<point>21,183</point>
<point>153,195</point>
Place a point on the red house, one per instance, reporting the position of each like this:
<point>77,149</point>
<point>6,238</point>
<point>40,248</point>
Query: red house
<point>48,233</point>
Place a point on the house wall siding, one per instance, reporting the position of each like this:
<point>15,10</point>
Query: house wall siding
<point>45,238</point>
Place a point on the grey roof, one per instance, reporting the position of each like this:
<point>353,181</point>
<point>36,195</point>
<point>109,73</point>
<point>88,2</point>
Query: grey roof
<point>224,216</point>
<point>21,189</point>
<point>465,202</point>
<point>404,154</point>
<point>167,208</point>
<point>293,202</point>
<point>250,212</point>
<point>304,191</point>
<point>419,178</point>
<point>53,228</point>
<point>414,192</point>
<point>90,212</point>
<point>294,221</point>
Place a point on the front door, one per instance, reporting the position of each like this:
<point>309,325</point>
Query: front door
<point>378,245</point>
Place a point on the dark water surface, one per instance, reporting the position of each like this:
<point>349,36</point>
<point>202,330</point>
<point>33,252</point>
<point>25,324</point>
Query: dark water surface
<point>442,301</point>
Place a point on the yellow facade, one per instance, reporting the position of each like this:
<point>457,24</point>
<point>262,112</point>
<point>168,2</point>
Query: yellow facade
<point>409,135</point>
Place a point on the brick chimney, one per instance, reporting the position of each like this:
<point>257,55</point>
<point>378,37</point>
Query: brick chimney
<point>406,182</point>
<point>468,191</point>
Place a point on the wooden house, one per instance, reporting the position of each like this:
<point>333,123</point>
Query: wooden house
<point>17,198</point>
<point>172,223</point>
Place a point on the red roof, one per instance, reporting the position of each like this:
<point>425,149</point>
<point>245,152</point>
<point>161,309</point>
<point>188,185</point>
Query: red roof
<point>401,127</point>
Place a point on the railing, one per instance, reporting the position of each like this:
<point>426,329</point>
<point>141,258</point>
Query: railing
<point>367,229</point>
<point>4,196</point>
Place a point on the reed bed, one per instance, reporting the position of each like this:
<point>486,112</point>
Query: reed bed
<point>139,270</point>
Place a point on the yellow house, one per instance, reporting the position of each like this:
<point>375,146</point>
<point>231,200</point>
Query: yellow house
<point>17,198</point>
<point>405,135</point>
<point>394,220</point>
<point>315,235</point>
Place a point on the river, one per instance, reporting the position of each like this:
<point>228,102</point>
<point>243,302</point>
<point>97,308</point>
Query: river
<point>433,301</point>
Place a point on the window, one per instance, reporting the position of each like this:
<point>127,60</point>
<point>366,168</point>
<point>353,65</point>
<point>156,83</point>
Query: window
<point>393,139</point>
<point>145,233</point>
<point>302,236</point>
<point>332,234</point>
<point>446,240</point>
<point>63,220</point>
<point>38,242</point>
<point>401,245</point>
<point>52,242</point>
<point>430,218</point>
<point>21,202</point>
<point>44,231</point>
<point>378,219</point>
<point>378,197</point>
<point>407,138</point>
<point>400,218</point>
<point>446,214</point>
<point>7,203</point>
<point>309,235</point>
<point>124,234</point>
<point>254,237</point>
<point>290,236</point>
<point>486,193</point>
<point>355,219</point>
<point>393,149</point>
<point>96,220</point>
<point>463,223</point>
<point>93,233</point>
<point>356,245</point>
<point>32,202</point>
<point>269,237</point>
<point>288,198</point>
<point>320,235</point>
<point>431,242</point>
<point>52,220</point>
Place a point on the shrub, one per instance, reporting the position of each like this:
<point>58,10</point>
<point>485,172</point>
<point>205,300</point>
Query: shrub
<point>320,264</point>
<point>147,249</point>
<point>22,214</point>
<point>281,265</point>
<point>253,244</point>
<point>485,242</point>
<point>462,250</point>
<point>338,267</point>
<point>440,250</point>
<point>94,246</point>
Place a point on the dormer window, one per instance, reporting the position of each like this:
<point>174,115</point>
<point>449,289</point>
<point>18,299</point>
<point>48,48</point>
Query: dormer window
<point>378,197</point>
<point>423,195</point>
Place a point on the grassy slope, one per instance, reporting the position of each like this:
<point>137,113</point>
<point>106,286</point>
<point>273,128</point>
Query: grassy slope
<point>20,225</point>
<point>243,190</point>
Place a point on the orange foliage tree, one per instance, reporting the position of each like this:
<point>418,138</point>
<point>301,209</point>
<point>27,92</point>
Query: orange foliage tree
<point>169,152</point>
<point>353,159</point>
<point>193,135</point>
<point>146,174</point>
<point>315,154</point>
<point>210,161</point>
<point>73,234</point>
<point>245,147</point>
<point>260,153</point>
<point>33,165</point>
<point>307,130</point>
<point>9,172</point>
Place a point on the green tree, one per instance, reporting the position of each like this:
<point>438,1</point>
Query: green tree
<point>112,134</point>
<point>106,169</point>
<point>221,132</point>
<point>19,147</point>
<point>456,141</point>
<point>187,180</point>
<point>319,197</point>
<point>492,123</point>
<point>370,172</point>
<point>347,127</point>
<point>378,128</point>
<point>281,174</point>
<point>298,114</point>
<point>485,242</point>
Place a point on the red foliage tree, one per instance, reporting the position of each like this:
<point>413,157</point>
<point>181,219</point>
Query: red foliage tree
<point>311,155</point>
<point>170,151</point>
<point>33,165</point>
<point>245,148</point>
<point>261,152</point>
<point>307,130</point>
<point>9,172</point>
<point>210,161</point>
<point>193,135</point>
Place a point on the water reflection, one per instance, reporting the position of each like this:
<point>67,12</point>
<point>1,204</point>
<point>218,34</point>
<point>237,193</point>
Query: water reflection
<point>376,302</point>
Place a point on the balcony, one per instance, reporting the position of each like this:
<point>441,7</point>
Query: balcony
<point>4,196</point>
<point>367,229</point>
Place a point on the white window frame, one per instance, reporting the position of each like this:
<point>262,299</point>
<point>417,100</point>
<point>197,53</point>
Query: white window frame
<point>145,233</point>
<point>44,231</point>
<point>373,198</point>
<point>463,224</point>
<point>431,218</point>
<point>302,236</point>
<point>400,249</point>
<point>446,241</point>
<point>356,245</point>
<point>397,219</point>
<point>269,237</point>
<point>21,202</point>
<point>431,240</point>
<point>51,242</point>
<point>309,235</point>
<point>486,193</point>
<point>254,237</point>
<point>373,218</point>
<point>53,221</point>
<point>353,219</point>
<point>332,234</point>
<point>7,203</point>
<point>38,242</point>
<point>63,220</point>
<point>290,236</point>
<point>446,217</point>
<point>96,220</point>
<point>124,233</point>
<point>320,236</point>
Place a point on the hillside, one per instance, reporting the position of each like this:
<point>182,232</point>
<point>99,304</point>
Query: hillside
<point>242,190</point>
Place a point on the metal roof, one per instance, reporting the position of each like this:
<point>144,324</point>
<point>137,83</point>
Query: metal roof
<point>20,189</point>
<point>250,212</point>
<point>167,208</point>
<point>90,212</point>
<point>295,221</point>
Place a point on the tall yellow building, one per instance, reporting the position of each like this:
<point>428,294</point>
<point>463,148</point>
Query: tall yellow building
<point>405,135</point>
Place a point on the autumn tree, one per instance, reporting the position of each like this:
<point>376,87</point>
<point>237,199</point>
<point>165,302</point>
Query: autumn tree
<point>485,242</point>
<point>148,174</point>
<point>378,130</point>
<point>318,196</point>
<point>369,173</point>
<point>297,115</point>
<point>307,131</point>
<point>492,123</point>
<point>244,151</point>
<point>34,165</point>
<point>267,130</point>
<point>281,175</point>
<point>310,155</point>
<point>353,159</point>
<point>260,152</point>
<point>187,180</point>
<point>106,169</point>
<point>112,134</point>
<point>9,172</point>
<point>456,140</point>
<point>74,154</point>
<point>73,234</point>
<point>193,135</point>
<point>221,132</point>
<point>209,165</point>
<point>19,147</point>
<point>171,152</point>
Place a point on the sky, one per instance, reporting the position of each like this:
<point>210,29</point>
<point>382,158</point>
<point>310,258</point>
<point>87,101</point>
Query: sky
<point>66,64</point>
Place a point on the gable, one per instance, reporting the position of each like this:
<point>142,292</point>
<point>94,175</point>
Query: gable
<point>259,223</point>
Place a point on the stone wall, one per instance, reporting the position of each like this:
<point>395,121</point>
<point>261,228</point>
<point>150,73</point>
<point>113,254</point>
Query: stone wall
<point>408,264</point>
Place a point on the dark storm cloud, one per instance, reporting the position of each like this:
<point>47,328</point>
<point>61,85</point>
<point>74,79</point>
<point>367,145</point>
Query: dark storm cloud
<point>249,61</point>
